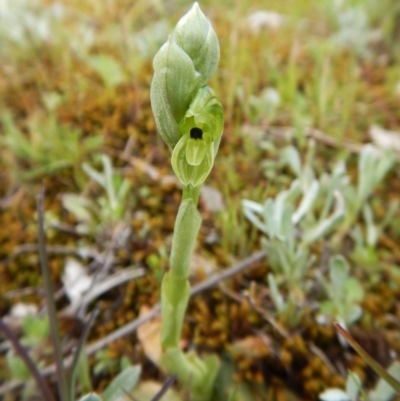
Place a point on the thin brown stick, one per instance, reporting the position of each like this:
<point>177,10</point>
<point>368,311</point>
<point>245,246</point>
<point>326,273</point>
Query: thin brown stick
<point>50,301</point>
<point>52,249</point>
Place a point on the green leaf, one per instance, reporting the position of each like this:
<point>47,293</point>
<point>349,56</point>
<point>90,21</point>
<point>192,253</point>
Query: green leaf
<point>307,202</point>
<point>197,38</point>
<point>199,373</point>
<point>251,209</point>
<point>36,329</point>
<point>327,225</point>
<point>90,397</point>
<point>327,308</point>
<point>275,294</point>
<point>338,272</point>
<point>352,314</point>
<point>108,68</point>
<point>126,380</point>
<point>174,84</point>
<point>353,385</point>
<point>372,168</point>
<point>17,367</point>
<point>78,206</point>
<point>292,157</point>
<point>354,290</point>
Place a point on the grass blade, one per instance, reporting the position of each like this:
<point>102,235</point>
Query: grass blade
<point>379,369</point>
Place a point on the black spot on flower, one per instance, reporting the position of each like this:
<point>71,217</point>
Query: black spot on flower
<point>196,133</point>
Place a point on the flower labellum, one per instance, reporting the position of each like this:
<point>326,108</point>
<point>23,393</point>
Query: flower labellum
<point>201,129</point>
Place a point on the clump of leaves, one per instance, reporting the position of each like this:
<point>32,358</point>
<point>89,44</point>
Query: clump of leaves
<point>46,148</point>
<point>294,209</point>
<point>35,335</point>
<point>312,209</point>
<point>344,292</point>
<point>107,209</point>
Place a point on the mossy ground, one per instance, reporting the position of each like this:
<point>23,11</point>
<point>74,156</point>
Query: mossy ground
<point>340,90</point>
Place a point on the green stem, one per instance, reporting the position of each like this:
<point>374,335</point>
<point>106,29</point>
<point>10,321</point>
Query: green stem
<point>175,289</point>
<point>190,192</point>
<point>192,371</point>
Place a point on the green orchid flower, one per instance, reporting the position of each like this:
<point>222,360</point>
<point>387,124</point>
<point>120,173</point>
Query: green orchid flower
<point>182,68</point>
<point>201,130</point>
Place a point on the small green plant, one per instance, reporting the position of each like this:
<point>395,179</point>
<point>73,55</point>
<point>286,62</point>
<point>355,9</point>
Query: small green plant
<point>261,108</point>
<point>108,209</point>
<point>297,209</point>
<point>105,364</point>
<point>313,209</point>
<point>288,309</point>
<point>353,28</point>
<point>108,68</point>
<point>366,237</point>
<point>373,166</point>
<point>189,118</point>
<point>344,293</point>
<point>121,385</point>
<point>35,336</point>
<point>47,148</point>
